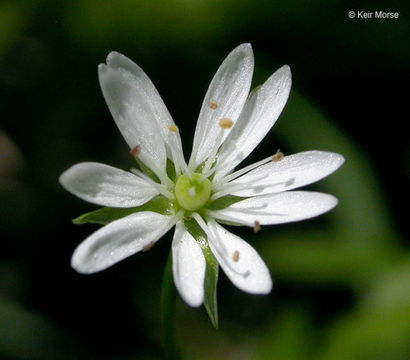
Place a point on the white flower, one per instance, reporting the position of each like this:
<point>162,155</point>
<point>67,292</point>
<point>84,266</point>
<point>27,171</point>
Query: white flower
<point>231,124</point>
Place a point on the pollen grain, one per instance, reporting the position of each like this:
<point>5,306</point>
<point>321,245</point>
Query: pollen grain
<point>213,104</point>
<point>173,128</point>
<point>257,226</point>
<point>225,123</point>
<point>278,156</point>
<point>136,150</point>
<point>148,246</point>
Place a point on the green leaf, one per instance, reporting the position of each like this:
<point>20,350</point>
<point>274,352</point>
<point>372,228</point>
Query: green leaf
<point>159,204</point>
<point>171,170</point>
<point>224,202</point>
<point>212,269</point>
<point>201,166</point>
<point>103,216</point>
<point>168,292</point>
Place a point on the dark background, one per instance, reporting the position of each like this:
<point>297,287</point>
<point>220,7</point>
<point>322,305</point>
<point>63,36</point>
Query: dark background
<point>341,281</point>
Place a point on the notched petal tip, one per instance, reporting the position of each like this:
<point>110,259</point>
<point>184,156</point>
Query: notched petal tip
<point>285,68</point>
<point>244,52</point>
<point>333,201</point>
<point>62,178</point>
<point>78,266</point>
<point>326,201</point>
<point>265,290</point>
<point>246,49</point>
<point>332,161</point>
<point>244,46</point>
<point>116,60</point>
<point>112,55</point>
<point>240,261</point>
<point>281,79</point>
<point>337,160</point>
<point>285,73</point>
<point>194,302</point>
<point>102,69</point>
<point>261,287</point>
<point>78,263</point>
<point>81,266</point>
<point>67,176</point>
<point>340,158</point>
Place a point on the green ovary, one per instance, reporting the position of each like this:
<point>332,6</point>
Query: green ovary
<point>192,193</point>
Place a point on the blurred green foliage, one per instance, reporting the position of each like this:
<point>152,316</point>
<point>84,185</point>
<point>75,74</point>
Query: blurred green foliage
<point>341,281</point>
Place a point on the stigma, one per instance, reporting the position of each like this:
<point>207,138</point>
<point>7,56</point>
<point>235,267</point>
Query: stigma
<point>192,193</point>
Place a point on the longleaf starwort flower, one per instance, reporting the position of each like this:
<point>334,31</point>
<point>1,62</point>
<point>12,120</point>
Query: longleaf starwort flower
<point>207,190</point>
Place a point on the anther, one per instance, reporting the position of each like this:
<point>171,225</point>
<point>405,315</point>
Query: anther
<point>213,104</point>
<point>173,128</point>
<point>148,246</point>
<point>278,156</point>
<point>257,226</point>
<point>225,123</point>
<point>235,256</point>
<point>135,151</point>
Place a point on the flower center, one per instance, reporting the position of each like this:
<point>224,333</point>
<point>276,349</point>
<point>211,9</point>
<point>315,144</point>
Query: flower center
<point>192,193</point>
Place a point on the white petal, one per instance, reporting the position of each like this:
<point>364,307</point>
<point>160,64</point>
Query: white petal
<point>148,94</point>
<point>118,240</point>
<point>135,114</point>
<point>229,89</point>
<point>240,262</point>
<point>289,173</point>
<point>188,266</point>
<point>277,208</point>
<point>107,186</point>
<point>260,113</point>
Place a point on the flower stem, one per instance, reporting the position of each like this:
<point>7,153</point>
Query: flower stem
<point>168,312</point>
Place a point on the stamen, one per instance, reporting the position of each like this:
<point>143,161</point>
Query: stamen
<point>213,104</point>
<point>257,227</point>
<point>162,189</point>
<point>201,223</point>
<point>217,215</point>
<point>235,256</point>
<point>278,156</point>
<point>206,228</point>
<point>173,128</point>
<point>178,160</point>
<point>148,246</point>
<point>186,169</point>
<point>229,148</point>
<point>161,174</point>
<point>135,151</point>
<point>244,170</point>
<point>179,215</point>
<point>225,123</point>
<point>228,190</point>
<point>210,172</point>
<point>222,189</point>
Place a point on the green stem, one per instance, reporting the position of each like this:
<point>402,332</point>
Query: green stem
<point>168,312</point>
